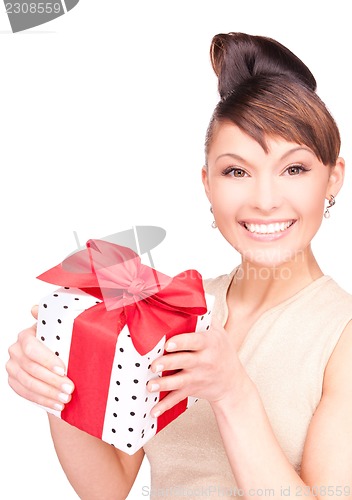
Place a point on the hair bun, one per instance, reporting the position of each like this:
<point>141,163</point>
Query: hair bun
<point>237,57</point>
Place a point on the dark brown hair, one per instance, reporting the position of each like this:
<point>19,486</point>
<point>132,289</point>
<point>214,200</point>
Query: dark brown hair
<point>268,91</point>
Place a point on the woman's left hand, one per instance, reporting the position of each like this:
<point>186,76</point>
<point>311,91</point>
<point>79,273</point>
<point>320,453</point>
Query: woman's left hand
<point>208,366</point>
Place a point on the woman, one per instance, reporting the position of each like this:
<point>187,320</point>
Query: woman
<point>273,373</point>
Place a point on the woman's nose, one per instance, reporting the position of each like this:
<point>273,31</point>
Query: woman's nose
<point>266,195</point>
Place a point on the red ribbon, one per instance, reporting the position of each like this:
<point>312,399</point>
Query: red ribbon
<point>149,302</point>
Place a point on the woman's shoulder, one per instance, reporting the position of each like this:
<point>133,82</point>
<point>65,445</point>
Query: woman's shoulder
<point>219,284</point>
<point>336,291</point>
<point>217,287</point>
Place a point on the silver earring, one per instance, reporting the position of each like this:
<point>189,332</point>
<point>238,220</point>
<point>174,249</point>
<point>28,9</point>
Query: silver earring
<point>331,204</point>
<point>213,224</point>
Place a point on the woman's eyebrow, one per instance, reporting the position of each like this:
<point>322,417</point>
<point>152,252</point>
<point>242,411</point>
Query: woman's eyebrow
<point>285,155</point>
<point>232,155</point>
<point>294,150</point>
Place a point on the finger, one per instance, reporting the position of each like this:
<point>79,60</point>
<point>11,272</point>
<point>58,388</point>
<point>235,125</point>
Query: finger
<point>38,388</point>
<point>167,402</point>
<point>168,382</point>
<point>34,311</point>
<point>186,342</point>
<point>215,323</point>
<point>174,361</point>
<point>43,399</point>
<point>34,350</point>
<point>41,373</point>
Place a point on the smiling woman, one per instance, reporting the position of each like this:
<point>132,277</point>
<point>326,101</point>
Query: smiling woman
<point>275,385</point>
<point>272,374</point>
<point>274,195</point>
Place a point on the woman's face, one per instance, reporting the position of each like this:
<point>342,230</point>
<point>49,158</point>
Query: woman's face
<point>267,205</point>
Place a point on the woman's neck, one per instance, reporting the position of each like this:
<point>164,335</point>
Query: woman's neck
<point>256,287</point>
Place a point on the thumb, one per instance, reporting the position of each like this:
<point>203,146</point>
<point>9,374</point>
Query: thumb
<point>215,323</point>
<point>34,312</point>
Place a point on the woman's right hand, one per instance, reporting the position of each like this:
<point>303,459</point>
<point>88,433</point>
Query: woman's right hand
<point>36,373</point>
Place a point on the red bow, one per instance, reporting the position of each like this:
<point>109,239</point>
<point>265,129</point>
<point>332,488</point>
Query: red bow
<point>153,304</point>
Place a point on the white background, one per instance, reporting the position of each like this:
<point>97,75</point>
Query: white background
<point>102,120</point>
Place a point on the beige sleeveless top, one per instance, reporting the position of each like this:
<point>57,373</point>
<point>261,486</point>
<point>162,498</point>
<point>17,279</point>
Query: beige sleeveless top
<point>285,354</point>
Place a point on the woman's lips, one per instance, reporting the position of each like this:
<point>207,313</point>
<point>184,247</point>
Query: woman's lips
<point>267,231</point>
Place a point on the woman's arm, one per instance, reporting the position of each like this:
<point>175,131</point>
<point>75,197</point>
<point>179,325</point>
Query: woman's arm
<point>256,458</point>
<point>95,469</point>
<point>327,456</point>
<point>209,369</point>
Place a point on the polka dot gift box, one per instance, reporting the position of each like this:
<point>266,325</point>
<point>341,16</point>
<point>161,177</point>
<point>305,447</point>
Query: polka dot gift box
<point>109,320</point>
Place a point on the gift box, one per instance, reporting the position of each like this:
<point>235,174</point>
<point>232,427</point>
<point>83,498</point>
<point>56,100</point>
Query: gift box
<point>108,321</point>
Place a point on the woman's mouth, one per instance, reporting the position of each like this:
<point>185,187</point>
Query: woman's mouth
<point>267,231</point>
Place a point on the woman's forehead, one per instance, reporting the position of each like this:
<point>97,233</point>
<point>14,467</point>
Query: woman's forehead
<point>229,138</point>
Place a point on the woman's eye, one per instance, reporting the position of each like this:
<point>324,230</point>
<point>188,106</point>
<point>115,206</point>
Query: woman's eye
<point>295,169</point>
<point>234,172</point>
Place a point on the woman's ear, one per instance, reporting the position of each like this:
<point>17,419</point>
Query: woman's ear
<point>336,178</point>
<point>205,181</point>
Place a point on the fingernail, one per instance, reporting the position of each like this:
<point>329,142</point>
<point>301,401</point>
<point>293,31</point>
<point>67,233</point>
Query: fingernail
<point>155,414</point>
<point>158,368</point>
<point>59,370</point>
<point>67,388</point>
<point>154,387</point>
<point>58,407</point>
<point>170,346</point>
<point>64,397</point>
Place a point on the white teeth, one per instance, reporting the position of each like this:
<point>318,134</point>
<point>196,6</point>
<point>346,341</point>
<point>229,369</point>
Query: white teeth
<point>271,228</point>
